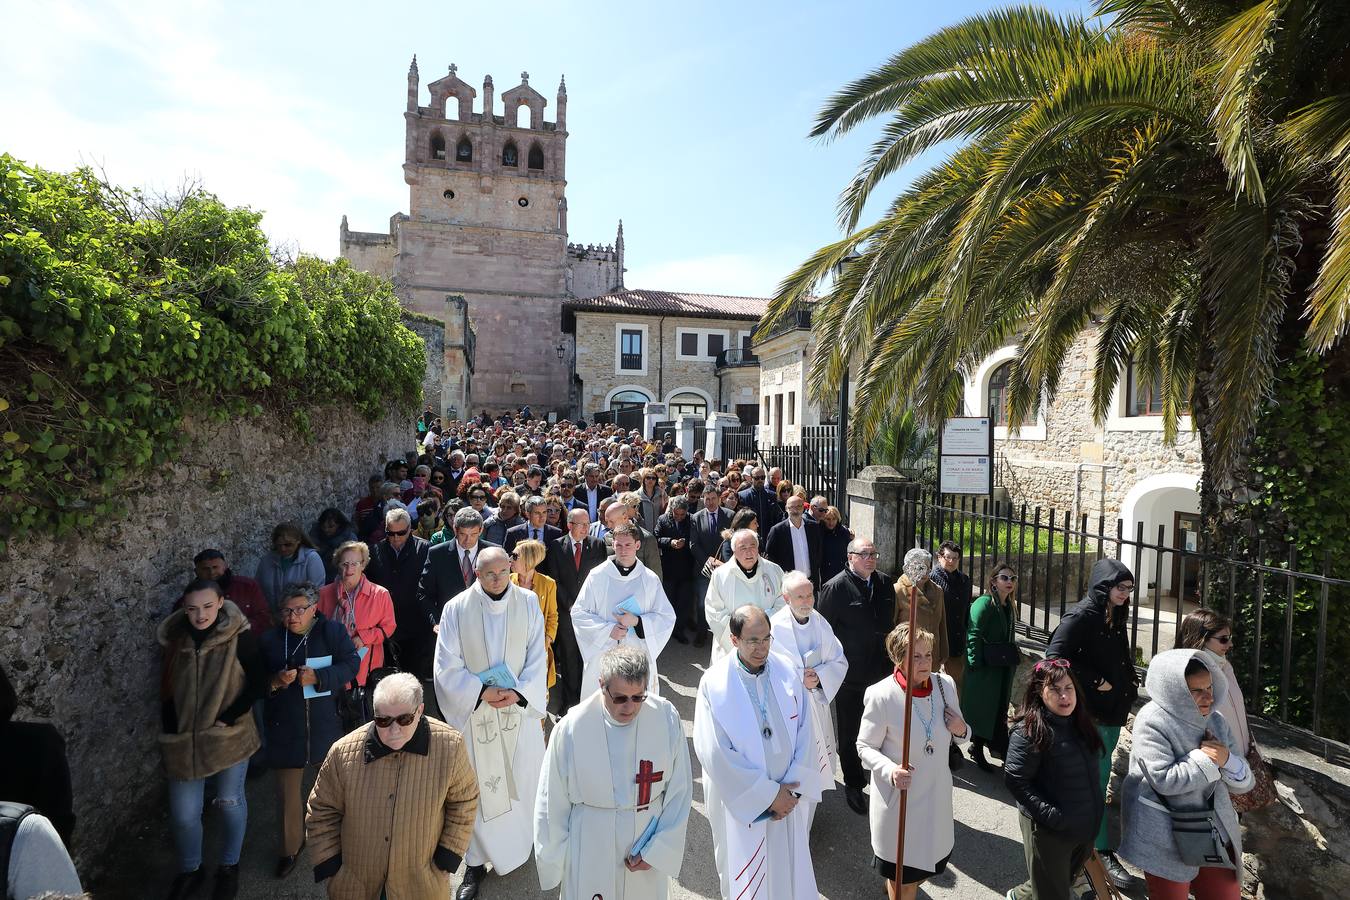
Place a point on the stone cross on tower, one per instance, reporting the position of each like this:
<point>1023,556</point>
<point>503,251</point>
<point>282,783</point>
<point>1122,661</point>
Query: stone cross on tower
<point>524,77</point>
<point>453,68</point>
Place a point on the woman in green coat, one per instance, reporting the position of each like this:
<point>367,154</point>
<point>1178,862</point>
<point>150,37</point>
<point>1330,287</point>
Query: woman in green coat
<point>991,660</point>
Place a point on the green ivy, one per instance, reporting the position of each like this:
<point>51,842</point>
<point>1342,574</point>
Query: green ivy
<point>1298,461</point>
<point>120,315</point>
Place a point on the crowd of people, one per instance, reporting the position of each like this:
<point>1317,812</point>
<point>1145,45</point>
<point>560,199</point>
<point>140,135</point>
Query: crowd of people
<point>467,664</point>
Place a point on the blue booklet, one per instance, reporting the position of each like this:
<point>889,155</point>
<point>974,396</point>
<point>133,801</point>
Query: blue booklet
<point>317,662</point>
<point>498,676</point>
<point>629,605</point>
<point>645,838</point>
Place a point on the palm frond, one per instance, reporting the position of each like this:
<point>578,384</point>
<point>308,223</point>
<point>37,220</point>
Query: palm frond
<point>1241,48</point>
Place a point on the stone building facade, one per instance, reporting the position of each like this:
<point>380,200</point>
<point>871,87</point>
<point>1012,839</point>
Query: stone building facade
<point>487,220</point>
<point>689,351</point>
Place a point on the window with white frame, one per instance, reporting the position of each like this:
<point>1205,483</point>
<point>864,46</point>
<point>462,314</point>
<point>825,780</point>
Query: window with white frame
<point>631,341</point>
<point>700,343</point>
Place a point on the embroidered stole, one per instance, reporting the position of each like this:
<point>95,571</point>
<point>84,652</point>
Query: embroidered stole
<point>494,731</point>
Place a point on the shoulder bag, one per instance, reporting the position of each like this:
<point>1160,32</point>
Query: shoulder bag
<point>1263,792</point>
<point>1195,832</point>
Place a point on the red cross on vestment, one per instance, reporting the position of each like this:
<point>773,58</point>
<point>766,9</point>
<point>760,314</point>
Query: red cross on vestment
<point>645,779</point>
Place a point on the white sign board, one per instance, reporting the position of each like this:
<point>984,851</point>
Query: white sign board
<point>965,437</point>
<point>966,456</point>
<point>966,474</point>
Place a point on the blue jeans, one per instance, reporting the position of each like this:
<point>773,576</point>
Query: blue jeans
<point>185,815</point>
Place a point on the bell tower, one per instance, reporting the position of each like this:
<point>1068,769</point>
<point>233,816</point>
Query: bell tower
<point>487,220</point>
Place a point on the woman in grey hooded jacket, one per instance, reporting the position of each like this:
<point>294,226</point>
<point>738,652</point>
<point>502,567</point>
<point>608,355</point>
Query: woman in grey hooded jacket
<point>1184,751</point>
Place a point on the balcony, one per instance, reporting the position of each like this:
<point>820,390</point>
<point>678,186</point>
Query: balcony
<point>735,358</point>
<point>794,320</point>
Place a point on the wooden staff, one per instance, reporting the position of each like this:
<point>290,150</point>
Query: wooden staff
<point>904,743</point>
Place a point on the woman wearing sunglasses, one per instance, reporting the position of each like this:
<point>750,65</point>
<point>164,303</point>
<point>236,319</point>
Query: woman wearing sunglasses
<point>991,660</point>
<point>1205,629</point>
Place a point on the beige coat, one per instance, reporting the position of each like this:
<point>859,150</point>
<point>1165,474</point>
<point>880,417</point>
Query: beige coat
<point>385,817</point>
<point>201,682</point>
<point>932,613</point>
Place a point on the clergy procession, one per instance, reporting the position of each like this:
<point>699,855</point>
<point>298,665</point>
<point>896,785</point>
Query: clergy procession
<point>502,703</point>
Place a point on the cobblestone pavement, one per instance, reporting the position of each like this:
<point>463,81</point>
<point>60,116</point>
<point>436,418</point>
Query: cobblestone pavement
<point>986,863</point>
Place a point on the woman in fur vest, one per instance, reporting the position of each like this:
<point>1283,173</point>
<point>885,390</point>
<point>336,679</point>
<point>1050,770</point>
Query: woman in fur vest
<point>213,673</point>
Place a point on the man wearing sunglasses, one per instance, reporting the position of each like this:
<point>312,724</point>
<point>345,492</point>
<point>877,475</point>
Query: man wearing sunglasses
<point>491,682</point>
<point>763,501</point>
<point>628,751</point>
<point>393,808</point>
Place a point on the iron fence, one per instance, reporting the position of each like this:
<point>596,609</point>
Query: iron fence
<point>738,443</point>
<point>1292,627</point>
<point>627,419</point>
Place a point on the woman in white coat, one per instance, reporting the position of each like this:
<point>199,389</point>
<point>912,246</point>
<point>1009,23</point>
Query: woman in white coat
<point>935,722</point>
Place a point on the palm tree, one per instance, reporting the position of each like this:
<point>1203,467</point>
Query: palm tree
<point>1172,173</point>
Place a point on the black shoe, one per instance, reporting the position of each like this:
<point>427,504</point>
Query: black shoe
<point>185,884</point>
<point>954,758</point>
<point>1116,873</point>
<point>473,878</point>
<point>227,883</point>
<point>857,800</point>
<point>977,754</point>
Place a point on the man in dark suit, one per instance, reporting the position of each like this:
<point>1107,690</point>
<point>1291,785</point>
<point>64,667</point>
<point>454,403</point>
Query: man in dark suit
<point>396,563</point>
<point>569,560</point>
<point>449,569</point>
<point>592,492</point>
<point>705,538</point>
<point>677,566</point>
<point>859,604</point>
<point>762,500</point>
<point>535,527</point>
<point>795,542</point>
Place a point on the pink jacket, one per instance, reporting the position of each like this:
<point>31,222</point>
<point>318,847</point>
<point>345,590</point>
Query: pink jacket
<point>374,620</point>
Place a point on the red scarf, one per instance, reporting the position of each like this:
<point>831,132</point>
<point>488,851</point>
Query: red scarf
<point>923,690</point>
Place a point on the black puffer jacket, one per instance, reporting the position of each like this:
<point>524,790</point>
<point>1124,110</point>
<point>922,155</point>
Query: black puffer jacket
<point>1098,647</point>
<point>1060,788</point>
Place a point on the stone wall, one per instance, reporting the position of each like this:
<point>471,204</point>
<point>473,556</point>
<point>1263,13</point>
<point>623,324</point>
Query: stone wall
<point>78,615</point>
<point>432,332</point>
<point>1066,456</point>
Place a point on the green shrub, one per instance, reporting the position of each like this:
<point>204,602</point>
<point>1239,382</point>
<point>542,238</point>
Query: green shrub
<point>121,314</point>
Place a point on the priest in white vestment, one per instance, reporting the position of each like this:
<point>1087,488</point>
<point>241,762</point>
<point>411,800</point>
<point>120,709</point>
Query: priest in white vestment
<point>752,734</point>
<point>616,779</point>
<point>802,635</point>
<point>490,672</point>
<point>746,579</point>
<point>621,603</point>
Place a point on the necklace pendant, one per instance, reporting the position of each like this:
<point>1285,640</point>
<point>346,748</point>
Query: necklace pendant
<point>767,732</point>
<point>928,748</point>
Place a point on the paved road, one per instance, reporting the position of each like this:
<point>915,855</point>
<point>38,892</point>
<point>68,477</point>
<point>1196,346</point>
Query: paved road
<point>987,860</point>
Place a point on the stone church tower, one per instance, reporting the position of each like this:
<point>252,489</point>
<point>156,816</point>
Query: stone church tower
<point>487,220</point>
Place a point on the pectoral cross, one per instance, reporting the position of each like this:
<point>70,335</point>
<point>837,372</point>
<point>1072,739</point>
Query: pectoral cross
<point>645,779</point>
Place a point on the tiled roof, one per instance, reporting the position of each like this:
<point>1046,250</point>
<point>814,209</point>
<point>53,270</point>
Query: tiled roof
<point>669,303</point>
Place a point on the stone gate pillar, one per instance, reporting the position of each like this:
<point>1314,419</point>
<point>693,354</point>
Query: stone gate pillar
<point>874,512</point>
<point>718,423</point>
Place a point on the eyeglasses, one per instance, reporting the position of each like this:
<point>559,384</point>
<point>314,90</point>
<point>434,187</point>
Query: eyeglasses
<point>287,612</point>
<point>1126,586</point>
<point>1004,576</point>
<point>759,478</point>
<point>393,533</point>
<point>864,554</point>
<point>1224,639</point>
<point>622,699</point>
<point>404,720</point>
<point>755,643</point>
<point>1058,662</point>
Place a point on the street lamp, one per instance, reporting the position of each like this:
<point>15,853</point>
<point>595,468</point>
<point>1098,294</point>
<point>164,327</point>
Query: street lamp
<point>560,349</point>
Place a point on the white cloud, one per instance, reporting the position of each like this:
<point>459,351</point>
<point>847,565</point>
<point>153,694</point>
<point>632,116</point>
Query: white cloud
<point>237,127</point>
<point>736,274</point>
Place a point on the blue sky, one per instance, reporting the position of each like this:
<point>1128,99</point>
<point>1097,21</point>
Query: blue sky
<point>688,121</point>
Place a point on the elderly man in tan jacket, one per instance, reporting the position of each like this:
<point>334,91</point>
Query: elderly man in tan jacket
<point>393,807</point>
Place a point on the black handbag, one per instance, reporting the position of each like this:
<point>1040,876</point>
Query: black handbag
<point>1005,655</point>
